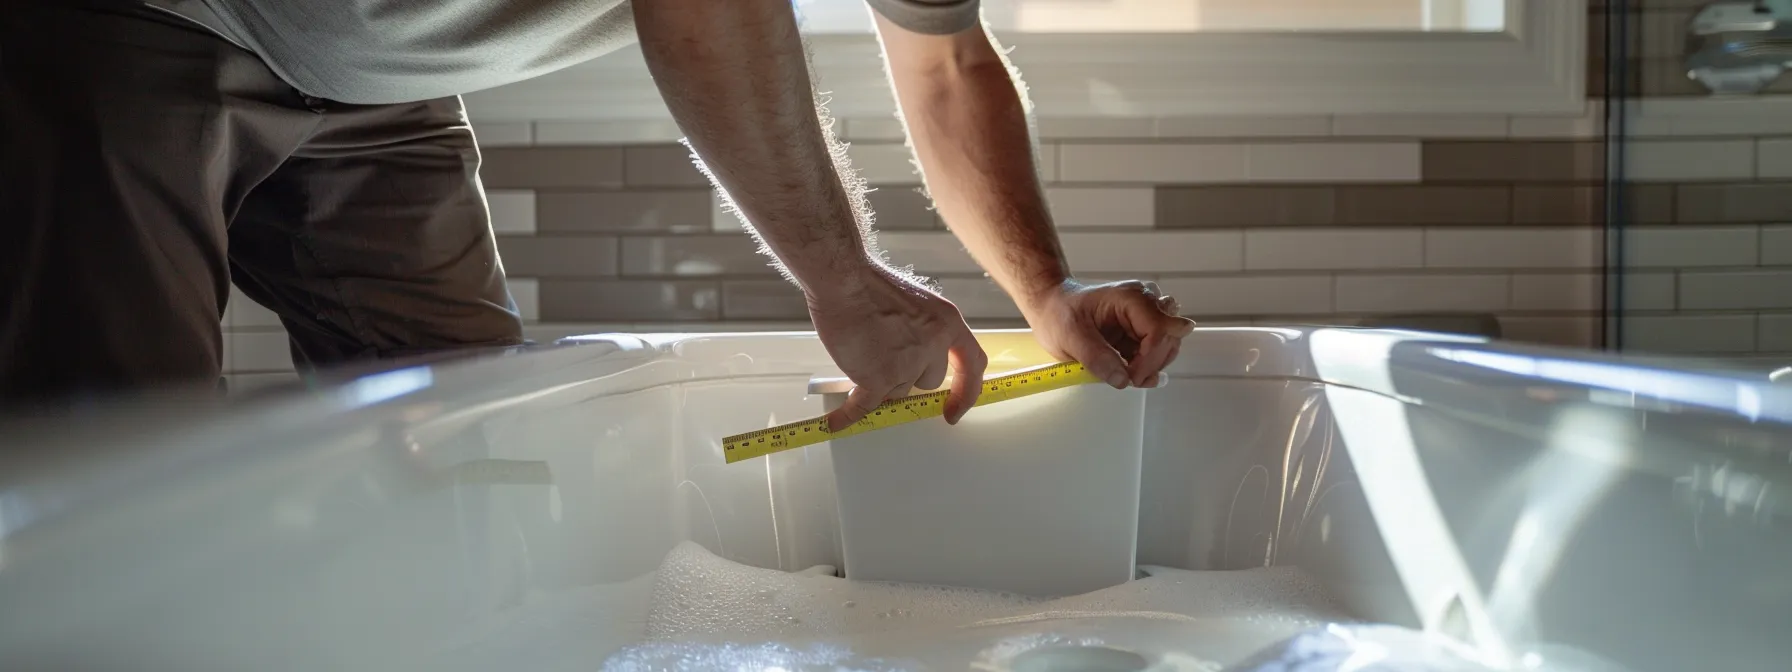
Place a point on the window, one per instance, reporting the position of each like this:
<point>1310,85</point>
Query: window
<point>845,17</point>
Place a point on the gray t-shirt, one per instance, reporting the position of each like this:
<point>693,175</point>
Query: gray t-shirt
<point>392,51</point>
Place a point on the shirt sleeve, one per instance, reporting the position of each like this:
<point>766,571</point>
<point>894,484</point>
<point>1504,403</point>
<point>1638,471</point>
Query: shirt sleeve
<point>929,17</point>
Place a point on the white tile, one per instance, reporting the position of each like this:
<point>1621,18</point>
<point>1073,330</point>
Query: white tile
<point>260,351</point>
<point>1688,333</point>
<point>506,134</point>
<point>1736,290</point>
<point>1422,126</point>
<point>1587,125</point>
<point>1096,127</point>
<point>871,129</point>
<point>1558,291</point>
<point>1244,127</point>
<point>722,220</point>
<point>1773,332</point>
<point>1682,247</point>
<point>527,294</point>
<point>1571,331</point>
<point>1335,162</point>
<point>1288,249</point>
<point>1514,248</point>
<point>1162,163</point>
<point>1676,160</point>
<point>244,383</point>
<point>1401,293</point>
<point>1776,246</point>
<point>1251,295</point>
<point>928,253</point>
<point>1049,161</point>
<point>1154,252</point>
<point>1774,158</point>
<point>883,163</point>
<point>513,211</point>
<point>245,313</point>
<point>1649,291</point>
<point>606,132</point>
<point>979,298</point>
<point>1103,207</point>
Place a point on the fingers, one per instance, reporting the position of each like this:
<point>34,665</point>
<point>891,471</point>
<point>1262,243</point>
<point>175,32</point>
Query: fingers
<point>859,403</point>
<point>1154,354</point>
<point>969,361</point>
<point>1087,346</point>
<point>934,375</point>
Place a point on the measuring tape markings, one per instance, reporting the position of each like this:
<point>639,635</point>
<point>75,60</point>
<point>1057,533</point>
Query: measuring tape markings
<point>902,411</point>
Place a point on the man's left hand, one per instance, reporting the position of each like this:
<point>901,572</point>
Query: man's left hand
<point>1124,332</point>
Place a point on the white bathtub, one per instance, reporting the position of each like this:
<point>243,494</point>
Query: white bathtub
<point>1519,500</point>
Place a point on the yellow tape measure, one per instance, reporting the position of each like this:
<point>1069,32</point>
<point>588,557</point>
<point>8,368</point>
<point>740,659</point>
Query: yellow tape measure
<point>905,410</point>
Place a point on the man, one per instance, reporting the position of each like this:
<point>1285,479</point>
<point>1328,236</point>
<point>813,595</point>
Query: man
<point>315,153</point>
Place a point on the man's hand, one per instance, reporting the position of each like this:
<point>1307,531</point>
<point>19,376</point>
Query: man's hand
<point>1124,332</point>
<point>889,336</point>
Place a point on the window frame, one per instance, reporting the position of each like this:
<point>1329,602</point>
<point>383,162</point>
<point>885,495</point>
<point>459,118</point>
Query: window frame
<point>1537,65</point>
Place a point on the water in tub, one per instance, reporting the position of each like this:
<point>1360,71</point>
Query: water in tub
<point>702,612</point>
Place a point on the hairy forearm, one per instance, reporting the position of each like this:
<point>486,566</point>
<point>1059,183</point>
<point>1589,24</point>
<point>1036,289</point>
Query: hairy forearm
<point>735,77</point>
<point>968,122</point>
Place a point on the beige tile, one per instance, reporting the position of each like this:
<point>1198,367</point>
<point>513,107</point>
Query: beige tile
<point>558,256</point>
<point>1515,248</point>
<point>649,211</point>
<point>1649,291</point>
<point>260,351</point>
<point>1562,331</point>
<point>1422,126</point>
<point>1424,205</point>
<point>1773,332</point>
<point>1774,158</point>
<point>1243,127</point>
<point>1682,246</point>
<point>1736,290</point>
<point>1558,291</point>
<point>1514,161</point>
<point>1251,295</point>
<point>551,167</point>
<point>1583,204</point>
<point>1335,162</point>
<point>1190,207</point>
<point>929,253</point>
<point>1587,125</point>
<point>693,256</point>
<point>1400,293</point>
<point>504,134</point>
<point>1776,245</point>
<point>979,298</point>
<point>526,292</point>
<point>512,210</point>
<point>872,129</point>
<point>606,132</point>
<point>1102,207</point>
<point>1689,160</point>
<point>1096,127</point>
<point>244,313</point>
<point>1154,163</point>
<point>1301,249</point>
<point>1154,252</point>
<point>1688,334</point>
<point>629,300</point>
<point>902,207</point>
<point>1765,203</point>
<point>763,300</point>
<point>662,166</point>
<point>883,163</point>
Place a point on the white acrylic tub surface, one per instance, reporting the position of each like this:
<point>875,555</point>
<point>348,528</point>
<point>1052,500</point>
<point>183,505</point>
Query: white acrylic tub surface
<point>568,508</point>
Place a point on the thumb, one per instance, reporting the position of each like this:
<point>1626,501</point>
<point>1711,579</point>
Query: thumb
<point>1088,347</point>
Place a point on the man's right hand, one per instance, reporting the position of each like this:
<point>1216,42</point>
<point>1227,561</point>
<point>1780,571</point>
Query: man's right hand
<point>890,335</point>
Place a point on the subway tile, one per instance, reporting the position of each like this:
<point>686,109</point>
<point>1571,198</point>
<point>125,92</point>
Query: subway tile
<point>1649,291</point>
<point>763,300</point>
<point>979,298</point>
<point>662,166</point>
<point>1515,248</point>
<point>1335,162</point>
<point>1558,291</point>
<point>1776,245</point>
<point>693,256</point>
<point>260,351</point>
<point>607,132</point>
<point>1688,334</point>
<point>504,134</point>
<point>1154,163</point>
<point>1049,161</point>
<point>512,211</point>
<point>1244,127</point>
<point>629,300</point>
<point>1773,332</point>
<point>1739,203</point>
<point>1581,204</point>
<point>1736,290</point>
<point>722,220</point>
<point>928,253</point>
<point>1422,126</point>
<point>1424,205</point>
<point>1304,249</point>
<point>551,167</point>
<point>872,129</point>
<point>1587,125</point>
<point>526,292</point>
<point>1401,293</point>
<point>1096,127</point>
<point>1251,295</point>
<point>1773,158</point>
<point>883,163</point>
<point>1689,160</point>
<point>902,207</point>
<point>1568,331</point>
<point>1680,247</point>
<point>1102,207</point>
<point>245,313</point>
<point>1662,33</point>
<point>1154,252</point>
<point>653,211</point>
<point>1244,206</point>
<point>1513,161</point>
<point>558,256</point>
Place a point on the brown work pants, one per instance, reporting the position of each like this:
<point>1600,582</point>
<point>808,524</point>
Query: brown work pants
<point>146,164</point>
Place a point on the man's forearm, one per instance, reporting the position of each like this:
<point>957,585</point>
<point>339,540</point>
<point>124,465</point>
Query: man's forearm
<point>735,77</point>
<point>967,121</point>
